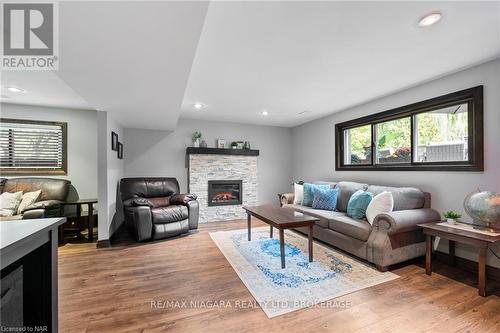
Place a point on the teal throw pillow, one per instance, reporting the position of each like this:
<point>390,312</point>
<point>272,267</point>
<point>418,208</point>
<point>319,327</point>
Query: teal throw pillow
<point>359,201</point>
<point>325,198</point>
<point>309,193</point>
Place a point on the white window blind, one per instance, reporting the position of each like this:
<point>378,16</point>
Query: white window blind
<point>32,146</point>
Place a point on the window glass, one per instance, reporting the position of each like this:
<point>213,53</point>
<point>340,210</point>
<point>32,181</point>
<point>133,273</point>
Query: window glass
<point>442,135</point>
<point>357,143</point>
<point>31,146</point>
<point>393,141</point>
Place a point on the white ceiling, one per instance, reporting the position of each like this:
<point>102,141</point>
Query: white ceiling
<point>130,58</point>
<point>287,57</point>
<point>135,59</point>
<point>42,88</point>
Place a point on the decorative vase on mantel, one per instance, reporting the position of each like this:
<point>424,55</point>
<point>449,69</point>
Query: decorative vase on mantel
<point>203,144</point>
<point>196,143</point>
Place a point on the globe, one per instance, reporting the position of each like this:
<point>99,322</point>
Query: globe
<point>483,207</point>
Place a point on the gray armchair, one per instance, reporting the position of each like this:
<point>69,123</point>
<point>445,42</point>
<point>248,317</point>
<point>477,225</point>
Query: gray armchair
<point>154,209</point>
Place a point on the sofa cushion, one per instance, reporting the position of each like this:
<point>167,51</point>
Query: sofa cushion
<point>309,193</point>
<point>169,214</point>
<point>9,202</point>
<point>11,218</point>
<point>346,190</point>
<point>325,198</point>
<point>323,215</point>
<point>359,201</point>
<point>404,197</point>
<point>359,229</point>
<point>28,199</point>
<point>298,193</point>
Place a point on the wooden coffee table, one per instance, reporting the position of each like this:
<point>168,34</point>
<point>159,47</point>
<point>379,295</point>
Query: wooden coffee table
<point>281,218</point>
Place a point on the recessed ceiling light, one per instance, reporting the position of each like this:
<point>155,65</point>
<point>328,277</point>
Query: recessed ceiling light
<point>304,112</point>
<point>198,106</point>
<point>264,113</point>
<point>429,19</point>
<point>15,89</point>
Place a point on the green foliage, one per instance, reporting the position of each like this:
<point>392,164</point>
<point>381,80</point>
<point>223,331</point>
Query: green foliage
<point>452,215</point>
<point>396,134</point>
<point>196,135</point>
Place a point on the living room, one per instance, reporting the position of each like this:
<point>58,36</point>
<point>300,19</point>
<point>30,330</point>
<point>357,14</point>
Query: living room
<point>247,166</point>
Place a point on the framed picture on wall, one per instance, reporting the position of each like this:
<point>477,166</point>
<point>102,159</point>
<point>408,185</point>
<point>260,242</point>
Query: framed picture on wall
<point>114,141</point>
<point>221,143</point>
<point>120,150</point>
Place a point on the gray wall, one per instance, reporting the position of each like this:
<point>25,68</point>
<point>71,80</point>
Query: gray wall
<point>314,144</point>
<point>110,172</point>
<point>161,153</point>
<point>82,141</point>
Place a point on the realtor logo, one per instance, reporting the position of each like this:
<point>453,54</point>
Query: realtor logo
<point>29,36</point>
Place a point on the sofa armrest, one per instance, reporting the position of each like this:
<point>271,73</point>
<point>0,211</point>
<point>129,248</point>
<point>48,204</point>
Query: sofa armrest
<point>404,220</point>
<point>182,199</point>
<point>287,198</point>
<point>46,204</point>
<point>33,214</point>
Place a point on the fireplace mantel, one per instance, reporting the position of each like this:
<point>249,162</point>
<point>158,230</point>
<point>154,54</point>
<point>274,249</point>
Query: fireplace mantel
<point>222,151</point>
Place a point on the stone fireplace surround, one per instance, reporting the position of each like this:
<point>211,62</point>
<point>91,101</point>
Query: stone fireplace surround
<point>206,164</point>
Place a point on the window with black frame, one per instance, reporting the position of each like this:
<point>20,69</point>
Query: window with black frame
<point>442,133</point>
<point>32,147</point>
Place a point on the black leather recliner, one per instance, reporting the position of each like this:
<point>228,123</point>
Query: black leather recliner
<point>154,209</point>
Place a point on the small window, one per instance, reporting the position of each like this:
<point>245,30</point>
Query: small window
<point>32,147</point>
<point>439,134</point>
<point>358,142</point>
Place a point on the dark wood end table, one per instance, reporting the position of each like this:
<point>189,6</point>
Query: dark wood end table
<point>479,240</point>
<point>281,218</point>
<point>90,218</point>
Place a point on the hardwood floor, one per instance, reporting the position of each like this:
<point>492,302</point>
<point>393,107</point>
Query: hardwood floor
<point>111,290</point>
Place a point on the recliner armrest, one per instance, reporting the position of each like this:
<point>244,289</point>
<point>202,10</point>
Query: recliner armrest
<point>404,220</point>
<point>182,199</point>
<point>137,202</point>
<point>46,204</point>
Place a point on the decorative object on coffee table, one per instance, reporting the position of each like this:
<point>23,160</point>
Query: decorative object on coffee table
<point>451,216</point>
<point>120,150</point>
<point>281,219</point>
<point>114,141</point>
<point>456,233</point>
<point>484,208</point>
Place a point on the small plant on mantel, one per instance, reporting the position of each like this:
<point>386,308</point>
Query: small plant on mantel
<point>234,145</point>
<point>452,216</point>
<point>196,138</point>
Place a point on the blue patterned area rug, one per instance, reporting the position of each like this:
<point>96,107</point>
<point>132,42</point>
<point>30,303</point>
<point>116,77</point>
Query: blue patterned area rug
<point>301,284</point>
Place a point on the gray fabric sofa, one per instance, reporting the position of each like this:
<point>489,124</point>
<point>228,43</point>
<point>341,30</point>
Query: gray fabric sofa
<point>393,237</point>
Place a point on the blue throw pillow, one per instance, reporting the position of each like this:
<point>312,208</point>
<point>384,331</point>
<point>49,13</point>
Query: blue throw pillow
<point>309,193</point>
<point>359,201</point>
<point>325,198</point>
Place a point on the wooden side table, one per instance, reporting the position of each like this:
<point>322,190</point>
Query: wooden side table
<point>90,218</point>
<point>480,240</point>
